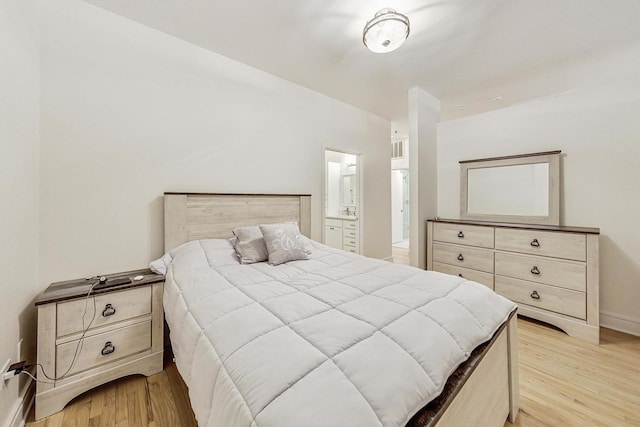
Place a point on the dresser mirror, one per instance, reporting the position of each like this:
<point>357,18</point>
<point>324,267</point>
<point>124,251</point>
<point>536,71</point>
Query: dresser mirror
<point>520,189</point>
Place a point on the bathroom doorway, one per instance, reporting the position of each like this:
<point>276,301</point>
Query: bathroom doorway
<point>400,215</point>
<point>342,210</point>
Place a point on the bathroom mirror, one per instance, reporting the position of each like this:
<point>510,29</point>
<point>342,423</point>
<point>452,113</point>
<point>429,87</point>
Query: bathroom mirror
<point>349,190</point>
<point>521,189</point>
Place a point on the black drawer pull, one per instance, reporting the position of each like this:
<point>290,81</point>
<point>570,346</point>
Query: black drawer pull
<point>109,310</point>
<point>535,270</point>
<point>460,274</point>
<point>460,257</point>
<point>535,243</point>
<point>108,348</point>
<point>535,295</point>
<point>461,235</point>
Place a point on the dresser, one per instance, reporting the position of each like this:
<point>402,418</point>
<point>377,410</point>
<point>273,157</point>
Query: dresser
<point>551,272</point>
<point>87,340</point>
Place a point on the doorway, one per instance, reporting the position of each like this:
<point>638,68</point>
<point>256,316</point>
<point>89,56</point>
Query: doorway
<point>342,210</point>
<point>400,215</point>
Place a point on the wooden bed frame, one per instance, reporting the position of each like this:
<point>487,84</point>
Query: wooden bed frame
<point>489,395</point>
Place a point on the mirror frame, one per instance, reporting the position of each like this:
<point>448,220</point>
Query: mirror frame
<point>550,157</point>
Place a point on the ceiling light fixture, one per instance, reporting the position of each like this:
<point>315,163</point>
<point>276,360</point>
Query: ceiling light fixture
<point>386,32</point>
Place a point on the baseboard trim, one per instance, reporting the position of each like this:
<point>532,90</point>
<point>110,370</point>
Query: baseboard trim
<point>18,415</point>
<point>620,323</point>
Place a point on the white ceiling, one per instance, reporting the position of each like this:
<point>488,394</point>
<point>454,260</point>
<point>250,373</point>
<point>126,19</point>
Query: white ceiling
<point>455,46</point>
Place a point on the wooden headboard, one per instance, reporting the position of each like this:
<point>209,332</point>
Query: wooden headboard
<point>192,216</point>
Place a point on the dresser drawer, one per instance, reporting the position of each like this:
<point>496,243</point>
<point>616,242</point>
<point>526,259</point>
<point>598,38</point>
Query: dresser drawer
<point>350,233</point>
<point>349,248</point>
<point>351,225</point>
<point>550,271</point>
<point>349,241</point>
<point>461,234</point>
<point>124,342</point>
<point>546,243</point>
<point>463,256</point>
<point>466,273</point>
<point>559,300</point>
<point>110,307</point>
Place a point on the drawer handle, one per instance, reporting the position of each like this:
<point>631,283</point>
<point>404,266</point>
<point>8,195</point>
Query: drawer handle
<point>108,348</point>
<point>535,270</point>
<point>535,243</point>
<point>460,257</point>
<point>535,295</point>
<point>109,310</point>
<point>352,242</point>
<point>460,274</point>
<point>461,235</point>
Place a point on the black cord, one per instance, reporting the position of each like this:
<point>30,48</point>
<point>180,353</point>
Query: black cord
<point>78,346</point>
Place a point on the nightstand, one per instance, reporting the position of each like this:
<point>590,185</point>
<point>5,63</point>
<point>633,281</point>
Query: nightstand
<point>121,334</point>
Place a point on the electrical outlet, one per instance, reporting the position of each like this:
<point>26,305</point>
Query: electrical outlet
<point>4,369</point>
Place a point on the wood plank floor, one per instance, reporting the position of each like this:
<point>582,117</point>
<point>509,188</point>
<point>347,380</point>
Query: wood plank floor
<point>563,382</point>
<point>400,255</point>
<point>568,382</point>
<point>159,400</point>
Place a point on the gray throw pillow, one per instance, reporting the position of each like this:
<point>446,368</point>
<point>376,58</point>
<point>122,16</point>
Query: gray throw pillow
<point>284,242</point>
<point>250,245</point>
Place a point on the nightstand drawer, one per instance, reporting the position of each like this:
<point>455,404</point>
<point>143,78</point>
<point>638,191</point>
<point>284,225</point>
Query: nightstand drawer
<point>110,307</point>
<point>464,256</point>
<point>103,348</point>
<point>471,235</point>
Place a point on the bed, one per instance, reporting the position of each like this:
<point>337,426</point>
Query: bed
<point>338,339</point>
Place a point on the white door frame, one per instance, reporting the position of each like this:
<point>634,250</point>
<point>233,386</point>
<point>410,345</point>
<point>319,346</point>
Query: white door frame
<point>360,190</point>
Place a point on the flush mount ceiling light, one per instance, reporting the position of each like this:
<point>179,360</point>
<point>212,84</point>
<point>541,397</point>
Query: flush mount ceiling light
<point>386,32</point>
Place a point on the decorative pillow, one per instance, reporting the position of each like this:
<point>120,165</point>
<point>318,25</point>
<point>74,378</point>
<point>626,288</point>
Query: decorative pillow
<point>284,242</point>
<point>250,245</point>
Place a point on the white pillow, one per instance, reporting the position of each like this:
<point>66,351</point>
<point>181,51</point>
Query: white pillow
<point>159,266</point>
<point>284,242</point>
<point>250,245</point>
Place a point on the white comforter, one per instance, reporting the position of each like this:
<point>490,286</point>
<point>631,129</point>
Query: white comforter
<point>336,340</point>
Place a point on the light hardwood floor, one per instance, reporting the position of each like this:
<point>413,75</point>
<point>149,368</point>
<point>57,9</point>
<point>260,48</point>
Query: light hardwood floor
<point>400,255</point>
<point>156,401</point>
<point>568,382</point>
<point>563,382</point>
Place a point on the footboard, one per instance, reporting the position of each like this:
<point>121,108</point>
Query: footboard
<point>491,394</point>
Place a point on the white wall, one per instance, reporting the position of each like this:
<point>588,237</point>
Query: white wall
<point>424,115</point>
<point>333,189</point>
<point>18,184</point>
<point>129,112</point>
<point>596,127</point>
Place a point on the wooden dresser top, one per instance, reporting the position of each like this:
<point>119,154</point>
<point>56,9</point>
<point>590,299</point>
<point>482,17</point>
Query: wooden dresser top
<point>61,291</point>
<point>563,228</point>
